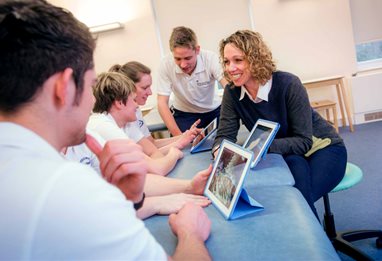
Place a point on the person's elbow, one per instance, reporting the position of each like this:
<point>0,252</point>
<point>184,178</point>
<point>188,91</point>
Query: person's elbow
<point>306,144</point>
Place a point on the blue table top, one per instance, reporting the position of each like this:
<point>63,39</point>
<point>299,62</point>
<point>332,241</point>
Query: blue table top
<point>285,230</point>
<point>270,171</point>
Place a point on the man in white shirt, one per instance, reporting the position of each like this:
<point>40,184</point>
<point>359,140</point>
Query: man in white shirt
<point>190,73</point>
<point>52,208</point>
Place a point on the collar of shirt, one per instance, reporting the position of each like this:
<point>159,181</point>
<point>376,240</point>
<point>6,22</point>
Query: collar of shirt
<point>110,117</point>
<point>262,94</point>
<point>199,66</point>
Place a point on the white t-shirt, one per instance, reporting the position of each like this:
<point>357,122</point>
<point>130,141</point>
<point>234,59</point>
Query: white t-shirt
<point>195,92</point>
<point>137,128</point>
<point>82,154</point>
<point>54,209</point>
<point>105,126</point>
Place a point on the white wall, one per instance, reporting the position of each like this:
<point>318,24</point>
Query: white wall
<point>136,41</point>
<point>367,91</point>
<point>312,39</point>
<point>309,38</point>
<point>366,20</point>
<point>212,20</point>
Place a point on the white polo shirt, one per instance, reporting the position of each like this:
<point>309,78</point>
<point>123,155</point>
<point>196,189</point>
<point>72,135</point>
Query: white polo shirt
<point>106,127</point>
<point>82,154</point>
<point>137,128</point>
<point>195,92</point>
<point>54,209</point>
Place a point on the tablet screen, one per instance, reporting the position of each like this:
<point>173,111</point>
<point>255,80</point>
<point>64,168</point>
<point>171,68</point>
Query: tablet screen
<point>205,132</point>
<point>258,138</point>
<point>227,176</point>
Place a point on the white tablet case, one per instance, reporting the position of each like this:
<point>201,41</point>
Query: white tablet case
<point>243,204</point>
<point>264,131</point>
<point>207,142</point>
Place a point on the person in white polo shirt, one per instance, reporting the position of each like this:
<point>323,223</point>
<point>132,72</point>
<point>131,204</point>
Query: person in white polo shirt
<point>190,73</point>
<point>114,107</point>
<point>52,208</point>
<point>137,130</point>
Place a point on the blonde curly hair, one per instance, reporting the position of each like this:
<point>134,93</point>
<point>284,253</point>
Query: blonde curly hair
<point>256,52</point>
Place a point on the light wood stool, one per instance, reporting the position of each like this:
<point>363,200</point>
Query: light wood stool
<point>327,106</point>
<point>340,84</point>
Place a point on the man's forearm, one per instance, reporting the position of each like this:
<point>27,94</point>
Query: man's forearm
<point>190,248</point>
<point>168,119</point>
<point>125,186</point>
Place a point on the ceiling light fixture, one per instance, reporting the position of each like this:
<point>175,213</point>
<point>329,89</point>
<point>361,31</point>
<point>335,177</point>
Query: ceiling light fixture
<point>105,27</point>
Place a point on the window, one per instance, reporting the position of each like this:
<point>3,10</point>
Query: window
<point>366,20</point>
<point>369,51</point>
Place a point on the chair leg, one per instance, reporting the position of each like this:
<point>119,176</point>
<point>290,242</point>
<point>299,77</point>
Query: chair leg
<point>378,242</point>
<point>348,249</point>
<point>341,241</point>
<point>359,234</point>
<point>330,227</point>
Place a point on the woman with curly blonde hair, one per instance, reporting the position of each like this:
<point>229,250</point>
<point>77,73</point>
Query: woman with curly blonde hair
<point>257,90</point>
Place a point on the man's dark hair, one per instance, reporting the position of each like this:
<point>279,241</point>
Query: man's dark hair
<point>38,40</point>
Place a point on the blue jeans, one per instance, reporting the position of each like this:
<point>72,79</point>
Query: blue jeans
<point>186,119</point>
<point>318,174</point>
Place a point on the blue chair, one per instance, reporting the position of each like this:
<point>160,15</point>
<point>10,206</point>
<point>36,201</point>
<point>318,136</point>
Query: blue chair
<point>341,240</point>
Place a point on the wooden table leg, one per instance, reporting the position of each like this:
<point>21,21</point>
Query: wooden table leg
<point>335,121</point>
<point>340,103</point>
<point>346,102</point>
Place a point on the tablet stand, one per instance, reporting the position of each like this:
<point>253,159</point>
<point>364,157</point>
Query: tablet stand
<point>245,205</point>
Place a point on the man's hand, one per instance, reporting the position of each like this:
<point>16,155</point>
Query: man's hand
<point>191,221</point>
<point>121,163</point>
<point>198,183</point>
